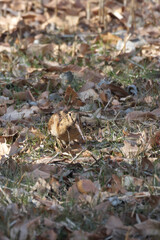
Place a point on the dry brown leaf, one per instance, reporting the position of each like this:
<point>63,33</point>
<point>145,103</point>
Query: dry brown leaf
<point>55,185</point>
<point>147,165</point>
<point>86,186</point>
<point>84,49</point>
<point>41,166</point>
<point>4,149</point>
<point>14,115</point>
<point>24,96</point>
<point>140,116</point>
<point>155,139</point>
<point>9,22</point>
<point>116,184</point>
<point>103,97</point>
<point>114,223</point>
<point>118,158</point>
<point>130,149</point>
<point>48,234</point>
<point>115,102</point>
<point>130,181</point>
<point>102,207</point>
<point>18,5</point>
<point>81,189</point>
<point>6,47</point>
<point>83,72</point>
<point>7,93</point>
<point>90,94</point>
<point>36,133</point>
<point>3,109</point>
<point>11,132</point>
<point>40,49</point>
<point>73,192</point>
<point>71,22</point>
<point>30,17</point>
<point>37,174</point>
<point>71,97</point>
<point>110,38</point>
<point>116,90</point>
<point>54,66</point>
<point>24,229</point>
<point>149,228</point>
<point>41,186</point>
<point>86,153</point>
<point>156,112</point>
<point>20,96</point>
<point>15,149</point>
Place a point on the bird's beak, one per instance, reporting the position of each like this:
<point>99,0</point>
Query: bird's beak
<point>79,130</point>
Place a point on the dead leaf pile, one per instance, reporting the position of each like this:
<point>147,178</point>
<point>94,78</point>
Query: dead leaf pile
<point>100,60</point>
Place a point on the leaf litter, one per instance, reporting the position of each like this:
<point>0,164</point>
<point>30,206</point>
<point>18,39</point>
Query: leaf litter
<point>99,60</point>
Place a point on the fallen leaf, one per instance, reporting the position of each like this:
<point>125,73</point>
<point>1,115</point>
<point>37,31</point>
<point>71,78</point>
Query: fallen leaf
<point>130,181</point>
<point>140,116</point>
<point>37,50</point>
<point>156,112</point>
<point>116,184</point>
<point>114,223</point>
<point>86,186</point>
<point>37,174</point>
<point>41,186</point>
<point>90,94</point>
<point>71,97</point>
<point>84,49</point>
<point>130,149</point>
<point>103,97</point>
<point>36,133</point>
<point>73,192</point>
<point>13,115</point>
<point>155,140</point>
<point>3,109</point>
<point>24,96</point>
<point>147,165</point>
<point>116,90</point>
<point>4,148</point>
<point>109,38</point>
<point>48,234</point>
<point>79,235</point>
<point>149,228</point>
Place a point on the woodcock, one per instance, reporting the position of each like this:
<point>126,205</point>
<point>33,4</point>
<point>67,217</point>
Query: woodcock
<point>64,126</point>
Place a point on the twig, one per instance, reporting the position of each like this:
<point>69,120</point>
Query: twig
<point>137,64</point>
<point>110,100</point>
<point>54,156</point>
<point>6,195</point>
<point>116,116</point>
<point>77,155</point>
<point>96,160</point>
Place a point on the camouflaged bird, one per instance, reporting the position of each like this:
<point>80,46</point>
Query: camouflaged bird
<point>64,126</point>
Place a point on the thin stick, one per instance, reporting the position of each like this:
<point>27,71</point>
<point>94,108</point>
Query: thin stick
<point>54,157</point>
<point>6,195</point>
<point>77,155</point>
<point>110,100</point>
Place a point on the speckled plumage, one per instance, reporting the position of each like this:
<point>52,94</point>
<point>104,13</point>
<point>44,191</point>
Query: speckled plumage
<point>64,127</point>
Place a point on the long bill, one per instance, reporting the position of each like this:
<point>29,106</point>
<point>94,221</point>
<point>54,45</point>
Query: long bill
<point>80,131</point>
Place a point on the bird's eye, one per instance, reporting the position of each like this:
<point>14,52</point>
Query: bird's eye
<point>70,114</point>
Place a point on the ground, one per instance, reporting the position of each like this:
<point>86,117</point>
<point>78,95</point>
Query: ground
<point>100,60</point>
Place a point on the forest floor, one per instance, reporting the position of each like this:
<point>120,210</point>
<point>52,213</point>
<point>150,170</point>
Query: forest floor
<point>100,59</point>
